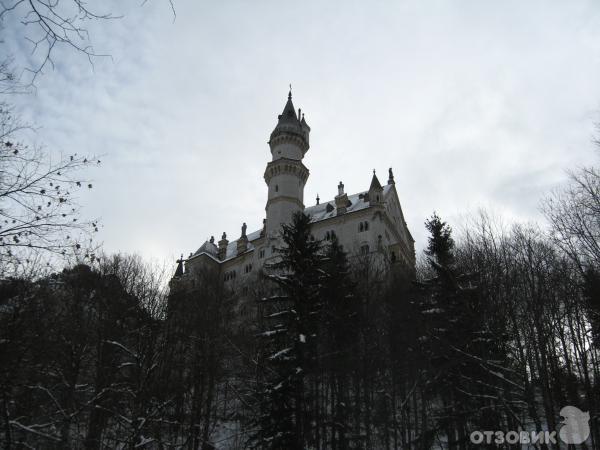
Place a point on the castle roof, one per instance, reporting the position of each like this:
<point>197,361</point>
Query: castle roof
<point>317,213</point>
<point>289,113</point>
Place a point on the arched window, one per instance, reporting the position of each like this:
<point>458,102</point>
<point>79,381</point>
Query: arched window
<point>361,227</point>
<point>276,188</point>
<point>366,226</point>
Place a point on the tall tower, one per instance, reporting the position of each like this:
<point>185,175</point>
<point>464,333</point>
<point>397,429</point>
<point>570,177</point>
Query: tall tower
<point>285,175</point>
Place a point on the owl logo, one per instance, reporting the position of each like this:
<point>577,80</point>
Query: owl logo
<point>575,426</point>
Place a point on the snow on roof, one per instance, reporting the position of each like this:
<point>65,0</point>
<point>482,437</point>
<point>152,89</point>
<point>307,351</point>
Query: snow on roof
<point>317,213</point>
<point>232,246</point>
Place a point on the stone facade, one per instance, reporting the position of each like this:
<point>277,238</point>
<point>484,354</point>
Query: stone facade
<point>366,223</point>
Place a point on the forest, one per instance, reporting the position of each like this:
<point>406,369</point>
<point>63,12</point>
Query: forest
<point>498,330</point>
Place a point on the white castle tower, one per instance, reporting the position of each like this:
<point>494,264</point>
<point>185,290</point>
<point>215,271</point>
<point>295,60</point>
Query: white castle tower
<point>285,175</point>
<point>368,224</point>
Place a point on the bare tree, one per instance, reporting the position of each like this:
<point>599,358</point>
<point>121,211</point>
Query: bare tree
<point>38,209</point>
<point>574,215</point>
<point>50,24</point>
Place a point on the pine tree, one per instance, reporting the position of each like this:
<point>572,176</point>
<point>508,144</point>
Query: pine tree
<point>468,379</point>
<point>290,341</point>
<point>340,318</point>
<point>440,244</point>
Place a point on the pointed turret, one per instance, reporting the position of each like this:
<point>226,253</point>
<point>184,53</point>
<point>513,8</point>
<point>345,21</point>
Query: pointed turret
<point>291,128</point>
<point>289,113</point>
<point>285,175</point>
<point>375,190</point>
<point>375,184</point>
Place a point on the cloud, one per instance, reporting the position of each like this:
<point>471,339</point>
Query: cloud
<point>472,103</point>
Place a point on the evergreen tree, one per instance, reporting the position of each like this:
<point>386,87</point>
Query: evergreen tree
<point>464,355</point>
<point>290,341</point>
<point>440,244</point>
<point>340,320</point>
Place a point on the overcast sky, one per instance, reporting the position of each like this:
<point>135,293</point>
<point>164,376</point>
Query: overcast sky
<point>473,103</point>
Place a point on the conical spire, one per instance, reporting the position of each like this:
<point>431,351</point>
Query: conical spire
<point>289,124</point>
<point>375,184</point>
<point>289,113</point>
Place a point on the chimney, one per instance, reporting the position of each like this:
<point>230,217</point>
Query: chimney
<point>341,200</point>
<point>223,246</point>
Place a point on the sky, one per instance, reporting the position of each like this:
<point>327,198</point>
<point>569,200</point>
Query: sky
<point>475,104</point>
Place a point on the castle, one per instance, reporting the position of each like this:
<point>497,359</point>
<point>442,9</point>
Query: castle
<point>368,223</point>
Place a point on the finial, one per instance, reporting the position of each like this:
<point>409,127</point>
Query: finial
<point>318,199</point>
<point>373,171</point>
<point>179,270</point>
<point>341,188</point>
<point>224,236</point>
<point>244,229</point>
<point>290,94</point>
<point>212,239</point>
<point>391,177</point>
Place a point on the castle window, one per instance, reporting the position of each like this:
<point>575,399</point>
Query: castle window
<point>327,236</point>
<point>364,249</point>
<point>393,256</point>
<point>261,253</point>
<point>361,227</point>
<point>245,290</point>
<point>276,188</point>
<point>366,226</point>
<point>248,268</point>
<point>229,275</point>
